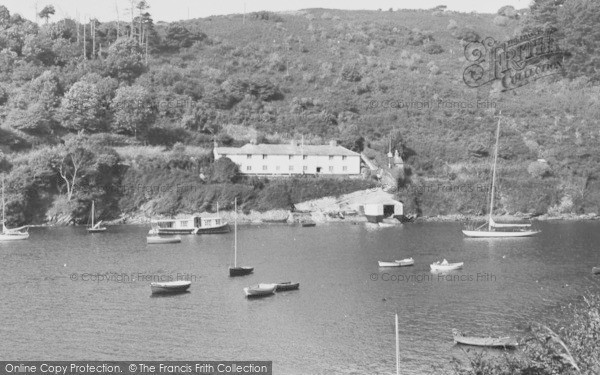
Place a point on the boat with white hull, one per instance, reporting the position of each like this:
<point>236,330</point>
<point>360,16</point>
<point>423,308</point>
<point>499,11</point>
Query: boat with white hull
<point>260,290</point>
<point>446,266</point>
<point>192,225</point>
<point>14,234</point>
<point>499,230</point>
<point>95,227</point>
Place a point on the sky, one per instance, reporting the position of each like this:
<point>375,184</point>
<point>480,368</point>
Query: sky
<point>174,10</point>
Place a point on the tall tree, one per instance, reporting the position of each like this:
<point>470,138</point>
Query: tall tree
<point>125,60</point>
<point>141,7</point>
<point>47,12</point>
<point>72,162</point>
<point>133,110</point>
<point>81,108</point>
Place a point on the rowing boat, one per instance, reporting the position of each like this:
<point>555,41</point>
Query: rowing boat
<point>397,263</point>
<point>178,286</point>
<point>287,285</point>
<point>494,342</point>
<point>445,266</point>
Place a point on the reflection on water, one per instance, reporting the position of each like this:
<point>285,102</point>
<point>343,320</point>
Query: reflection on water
<point>67,294</point>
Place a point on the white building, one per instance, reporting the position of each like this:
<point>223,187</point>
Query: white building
<point>292,159</point>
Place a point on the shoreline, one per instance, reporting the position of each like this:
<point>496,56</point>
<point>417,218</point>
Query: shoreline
<point>288,217</point>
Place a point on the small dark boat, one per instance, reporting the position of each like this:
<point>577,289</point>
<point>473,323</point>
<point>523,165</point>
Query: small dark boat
<point>309,224</point>
<point>287,285</point>
<point>235,270</point>
<point>596,270</point>
<point>240,271</point>
<point>493,342</point>
<point>179,286</point>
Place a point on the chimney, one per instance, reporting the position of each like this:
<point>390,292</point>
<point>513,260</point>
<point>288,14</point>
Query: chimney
<point>333,143</point>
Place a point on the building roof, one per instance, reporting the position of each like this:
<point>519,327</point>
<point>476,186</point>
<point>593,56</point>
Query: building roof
<point>286,149</point>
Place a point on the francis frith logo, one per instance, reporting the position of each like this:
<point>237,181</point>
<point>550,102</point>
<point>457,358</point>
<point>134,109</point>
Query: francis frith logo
<point>515,62</point>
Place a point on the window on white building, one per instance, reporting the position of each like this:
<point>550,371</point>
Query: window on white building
<point>248,168</point>
<point>304,157</point>
<point>248,156</point>
<point>264,156</point>
<point>330,157</point>
<point>305,168</point>
<point>330,168</point>
<point>291,167</point>
<point>344,157</point>
<point>264,167</point>
<point>345,169</point>
<point>290,157</point>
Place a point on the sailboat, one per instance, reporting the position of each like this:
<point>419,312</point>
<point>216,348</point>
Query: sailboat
<point>95,228</point>
<point>235,270</point>
<point>499,229</point>
<point>11,234</point>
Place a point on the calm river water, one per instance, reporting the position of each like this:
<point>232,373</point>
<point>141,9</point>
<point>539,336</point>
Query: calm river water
<point>341,321</point>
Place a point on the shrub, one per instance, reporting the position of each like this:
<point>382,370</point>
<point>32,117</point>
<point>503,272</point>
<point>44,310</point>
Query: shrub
<point>224,170</point>
<point>507,11</point>
<point>433,49</point>
<point>468,35</point>
<point>351,73</point>
<point>538,169</point>
<point>500,21</point>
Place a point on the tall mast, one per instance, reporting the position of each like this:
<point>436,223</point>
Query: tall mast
<point>397,349</point>
<point>235,236</point>
<point>494,176</point>
<point>3,202</point>
<point>93,214</point>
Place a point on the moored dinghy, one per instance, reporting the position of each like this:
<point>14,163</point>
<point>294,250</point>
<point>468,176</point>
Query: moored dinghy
<point>596,270</point>
<point>397,263</point>
<point>260,290</point>
<point>492,342</point>
<point>178,286</point>
<point>159,240</point>
<point>287,285</point>
<point>445,266</point>
<point>406,262</point>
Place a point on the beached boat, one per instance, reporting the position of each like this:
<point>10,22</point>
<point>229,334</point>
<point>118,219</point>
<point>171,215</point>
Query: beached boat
<point>287,285</point>
<point>397,263</point>
<point>235,270</point>
<point>178,286</point>
<point>95,227</point>
<point>494,342</point>
<point>308,223</point>
<point>260,290</point>
<point>205,224</point>
<point>445,266</point>
<point>499,230</point>
<point>596,270</point>
<point>13,234</point>
<point>159,240</point>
